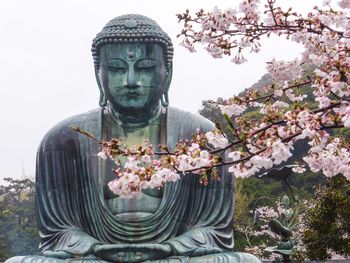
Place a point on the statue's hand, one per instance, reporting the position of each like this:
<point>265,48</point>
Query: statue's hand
<point>201,251</point>
<point>132,252</point>
<point>57,254</point>
<point>66,255</point>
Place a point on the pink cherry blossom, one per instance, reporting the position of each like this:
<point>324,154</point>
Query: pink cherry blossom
<point>282,71</point>
<point>103,155</point>
<point>216,139</point>
<point>299,169</point>
<point>234,155</point>
<point>344,3</point>
<point>280,152</point>
<point>233,109</point>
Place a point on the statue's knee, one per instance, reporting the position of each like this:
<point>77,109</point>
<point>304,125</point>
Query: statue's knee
<point>14,259</point>
<point>43,259</point>
<point>29,259</point>
<point>248,258</point>
<point>226,257</point>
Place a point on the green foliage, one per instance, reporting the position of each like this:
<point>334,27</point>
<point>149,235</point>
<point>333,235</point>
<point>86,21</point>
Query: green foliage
<point>18,228</point>
<point>248,190</point>
<point>328,222</point>
<point>320,237</point>
<point>243,202</point>
<point>241,217</point>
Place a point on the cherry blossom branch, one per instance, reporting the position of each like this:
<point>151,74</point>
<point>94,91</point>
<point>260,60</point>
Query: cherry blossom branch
<point>282,115</point>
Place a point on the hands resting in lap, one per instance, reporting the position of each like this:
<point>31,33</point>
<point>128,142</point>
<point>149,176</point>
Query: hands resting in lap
<point>119,252</point>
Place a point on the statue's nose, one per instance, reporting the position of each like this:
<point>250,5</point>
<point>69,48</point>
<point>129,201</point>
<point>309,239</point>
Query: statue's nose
<point>132,79</point>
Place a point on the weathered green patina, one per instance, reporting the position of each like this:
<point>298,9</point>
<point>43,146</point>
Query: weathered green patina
<point>79,218</point>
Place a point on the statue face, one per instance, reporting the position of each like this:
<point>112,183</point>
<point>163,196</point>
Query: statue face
<point>133,75</point>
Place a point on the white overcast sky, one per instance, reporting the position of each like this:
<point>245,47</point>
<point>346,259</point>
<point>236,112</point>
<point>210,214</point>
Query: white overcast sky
<point>47,73</point>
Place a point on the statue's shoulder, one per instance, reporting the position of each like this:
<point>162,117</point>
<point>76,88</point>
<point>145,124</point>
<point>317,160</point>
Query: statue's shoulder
<point>188,120</point>
<point>63,132</point>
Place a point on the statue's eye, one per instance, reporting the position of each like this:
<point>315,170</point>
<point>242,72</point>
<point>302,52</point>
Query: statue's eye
<point>146,64</point>
<point>117,69</point>
<point>115,66</point>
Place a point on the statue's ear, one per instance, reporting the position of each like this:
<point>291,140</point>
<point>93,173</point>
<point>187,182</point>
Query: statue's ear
<point>165,97</point>
<point>103,101</point>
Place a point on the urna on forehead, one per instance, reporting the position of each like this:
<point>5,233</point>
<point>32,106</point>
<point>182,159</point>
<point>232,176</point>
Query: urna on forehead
<point>133,28</point>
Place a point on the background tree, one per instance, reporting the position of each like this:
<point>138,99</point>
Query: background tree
<point>328,221</point>
<point>18,228</point>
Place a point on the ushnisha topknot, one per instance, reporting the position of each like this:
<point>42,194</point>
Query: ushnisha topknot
<point>133,28</point>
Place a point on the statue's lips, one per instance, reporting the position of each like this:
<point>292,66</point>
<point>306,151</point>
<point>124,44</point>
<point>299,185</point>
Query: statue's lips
<point>133,94</point>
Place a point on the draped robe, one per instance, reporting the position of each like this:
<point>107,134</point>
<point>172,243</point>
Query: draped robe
<point>73,216</point>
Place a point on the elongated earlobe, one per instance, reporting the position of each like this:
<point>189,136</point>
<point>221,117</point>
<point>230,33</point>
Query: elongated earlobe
<point>103,101</point>
<point>165,98</point>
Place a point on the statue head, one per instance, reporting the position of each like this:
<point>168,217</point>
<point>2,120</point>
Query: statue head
<point>133,63</point>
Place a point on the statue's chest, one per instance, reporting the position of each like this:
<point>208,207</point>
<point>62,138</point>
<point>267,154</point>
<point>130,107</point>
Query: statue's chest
<point>148,201</point>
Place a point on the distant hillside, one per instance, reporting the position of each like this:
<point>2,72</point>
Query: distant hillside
<point>264,81</point>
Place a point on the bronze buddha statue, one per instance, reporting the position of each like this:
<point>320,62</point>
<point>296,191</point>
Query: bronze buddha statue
<point>79,218</point>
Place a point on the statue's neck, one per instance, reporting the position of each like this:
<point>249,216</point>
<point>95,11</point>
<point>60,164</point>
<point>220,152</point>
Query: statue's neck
<point>134,119</point>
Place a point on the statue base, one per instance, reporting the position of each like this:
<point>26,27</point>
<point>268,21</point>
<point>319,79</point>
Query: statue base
<point>226,257</point>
